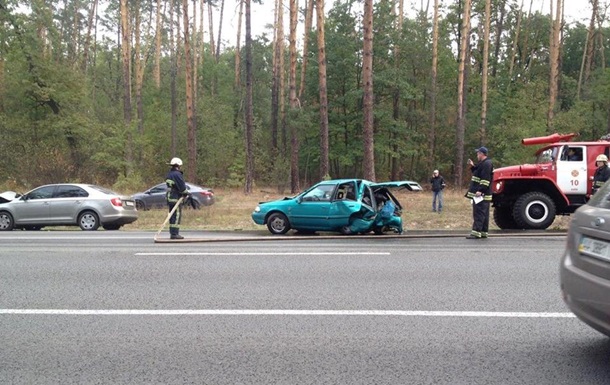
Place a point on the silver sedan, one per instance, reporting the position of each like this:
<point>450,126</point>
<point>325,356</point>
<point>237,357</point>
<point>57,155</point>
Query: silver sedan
<point>84,205</point>
<point>585,265</point>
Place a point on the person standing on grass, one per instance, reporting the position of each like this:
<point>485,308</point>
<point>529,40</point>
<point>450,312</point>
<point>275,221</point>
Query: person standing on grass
<point>438,184</point>
<point>479,193</point>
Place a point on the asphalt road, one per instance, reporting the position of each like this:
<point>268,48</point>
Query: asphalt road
<point>115,308</point>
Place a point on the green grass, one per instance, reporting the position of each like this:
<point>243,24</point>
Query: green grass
<point>233,208</point>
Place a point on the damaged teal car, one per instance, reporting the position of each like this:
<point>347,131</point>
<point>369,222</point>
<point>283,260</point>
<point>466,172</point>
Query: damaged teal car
<point>348,206</point>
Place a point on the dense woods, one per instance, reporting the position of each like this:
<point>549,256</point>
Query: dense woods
<point>107,91</point>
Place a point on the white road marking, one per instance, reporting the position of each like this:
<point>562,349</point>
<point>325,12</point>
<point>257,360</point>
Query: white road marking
<point>289,312</point>
<point>271,253</point>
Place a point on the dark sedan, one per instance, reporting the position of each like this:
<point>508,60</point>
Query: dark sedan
<point>154,197</point>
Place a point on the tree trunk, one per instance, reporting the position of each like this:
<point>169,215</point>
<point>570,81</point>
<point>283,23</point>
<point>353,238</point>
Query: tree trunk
<point>126,54</point>
<point>308,24</point>
<point>86,47</point>
<point>553,62</point>
<point>294,102</point>
<point>483,128</point>
<point>172,84</point>
<point>461,116</point>
<point>324,165</point>
<point>75,33</point>
<point>513,52</point>
<point>248,110</point>
<point>499,29</point>
<point>526,35</point>
<point>601,37</point>
<point>211,29</point>
<point>222,9</point>
<point>433,86</point>
<point>393,157</point>
<point>367,105</point>
<point>238,47</point>
<point>139,70</point>
<point>277,70</point>
<point>591,41</point>
<point>191,171</point>
<point>157,66</point>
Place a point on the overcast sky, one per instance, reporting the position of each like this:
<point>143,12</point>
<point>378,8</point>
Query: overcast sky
<point>262,14</point>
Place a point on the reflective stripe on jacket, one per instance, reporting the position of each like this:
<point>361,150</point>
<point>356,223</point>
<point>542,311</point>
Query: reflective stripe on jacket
<point>482,176</point>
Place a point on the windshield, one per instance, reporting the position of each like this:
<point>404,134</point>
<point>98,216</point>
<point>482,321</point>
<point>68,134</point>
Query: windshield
<point>547,156</point>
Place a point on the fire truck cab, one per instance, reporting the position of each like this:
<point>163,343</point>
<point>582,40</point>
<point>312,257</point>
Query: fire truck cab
<point>530,196</point>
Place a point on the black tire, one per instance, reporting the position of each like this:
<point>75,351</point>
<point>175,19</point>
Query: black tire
<point>278,223</point>
<point>88,221</point>
<point>534,210</point>
<point>140,205</point>
<point>379,230</point>
<point>6,221</point>
<point>503,217</point>
<point>111,227</point>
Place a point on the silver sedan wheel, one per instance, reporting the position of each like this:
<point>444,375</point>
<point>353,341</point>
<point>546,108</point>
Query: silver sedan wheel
<point>88,221</point>
<point>6,221</point>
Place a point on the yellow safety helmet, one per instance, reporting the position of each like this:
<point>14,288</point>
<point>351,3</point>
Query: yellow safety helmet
<point>601,158</point>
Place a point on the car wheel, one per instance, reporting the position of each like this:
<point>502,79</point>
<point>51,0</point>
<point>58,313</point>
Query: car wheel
<point>88,221</point>
<point>534,210</point>
<point>378,230</point>
<point>140,205</point>
<point>503,217</point>
<point>111,227</point>
<point>6,221</point>
<point>278,224</point>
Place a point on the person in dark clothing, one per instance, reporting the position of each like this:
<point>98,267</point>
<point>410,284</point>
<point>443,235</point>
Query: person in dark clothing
<point>176,188</point>
<point>602,173</point>
<point>438,184</point>
<point>480,193</point>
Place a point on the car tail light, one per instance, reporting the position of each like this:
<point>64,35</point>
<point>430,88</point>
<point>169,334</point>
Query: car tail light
<point>206,193</point>
<point>116,202</point>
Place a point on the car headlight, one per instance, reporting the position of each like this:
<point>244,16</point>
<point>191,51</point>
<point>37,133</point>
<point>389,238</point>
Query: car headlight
<point>257,209</point>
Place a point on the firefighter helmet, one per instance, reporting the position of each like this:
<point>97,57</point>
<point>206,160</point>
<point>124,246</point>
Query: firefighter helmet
<point>176,162</point>
<point>602,158</point>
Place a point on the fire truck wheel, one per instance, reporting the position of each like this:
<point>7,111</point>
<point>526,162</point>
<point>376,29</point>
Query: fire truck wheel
<point>503,217</point>
<point>534,210</point>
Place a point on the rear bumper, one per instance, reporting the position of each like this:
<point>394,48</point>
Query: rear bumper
<point>587,295</point>
<point>121,218</point>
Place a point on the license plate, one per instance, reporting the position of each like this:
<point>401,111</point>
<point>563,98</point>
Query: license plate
<point>595,248</point>
<point>128,203</point>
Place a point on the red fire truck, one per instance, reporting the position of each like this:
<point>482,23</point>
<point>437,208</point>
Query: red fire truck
<point>529,196</point>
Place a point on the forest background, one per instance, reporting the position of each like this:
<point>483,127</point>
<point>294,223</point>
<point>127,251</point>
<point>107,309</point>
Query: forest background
<point>364,92</point>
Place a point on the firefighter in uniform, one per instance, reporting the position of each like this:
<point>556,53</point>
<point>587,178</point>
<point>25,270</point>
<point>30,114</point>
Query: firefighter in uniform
<point>176,188</point>
<point>480,188</point>
<point>602,173</point>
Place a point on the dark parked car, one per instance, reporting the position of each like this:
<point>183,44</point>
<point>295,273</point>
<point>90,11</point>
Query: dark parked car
<point>84,205</point>
<point>154,197</point>
<point>585,265</point>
